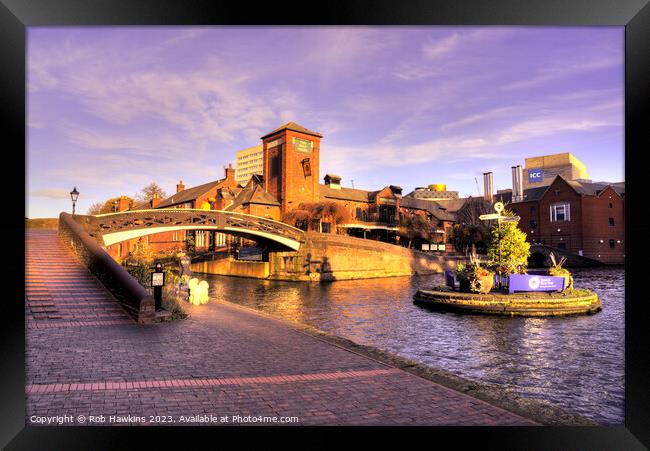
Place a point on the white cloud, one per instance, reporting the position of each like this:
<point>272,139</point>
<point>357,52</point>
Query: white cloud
<point>51,193</point>
<point>480,117</point>
<point>535,128</point>
<point>547,74</point>
<point>441,47</point>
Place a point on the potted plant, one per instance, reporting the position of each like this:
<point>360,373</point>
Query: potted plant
<point>557,270</point>
<point>473,277</point>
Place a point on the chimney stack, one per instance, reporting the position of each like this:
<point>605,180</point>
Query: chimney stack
<point>230,173</point>
<point>517,184</point>
<point>487,186</point>
<point>180,187</point>
<point>123,203</point>
<point>155,201</point>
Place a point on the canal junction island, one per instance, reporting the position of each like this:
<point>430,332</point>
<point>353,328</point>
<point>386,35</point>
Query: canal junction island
<point>509,289</point>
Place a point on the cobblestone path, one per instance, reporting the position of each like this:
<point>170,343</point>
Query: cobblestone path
<point>85,357</point>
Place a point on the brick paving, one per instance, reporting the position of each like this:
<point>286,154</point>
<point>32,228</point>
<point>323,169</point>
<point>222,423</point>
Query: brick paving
<point>85,356</point>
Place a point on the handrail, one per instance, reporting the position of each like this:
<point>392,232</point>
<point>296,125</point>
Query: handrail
<point>198,210</point>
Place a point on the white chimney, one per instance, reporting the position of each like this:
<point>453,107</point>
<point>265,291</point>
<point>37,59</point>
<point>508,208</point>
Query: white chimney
<point>520,184</point>
<point>487,186</point>
<point>515,185</point>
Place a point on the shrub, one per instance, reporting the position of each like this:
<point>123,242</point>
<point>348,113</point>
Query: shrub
<point>557,270</point>
<point>473,277</point>
<point>514,248</point>
<point>141,271</point>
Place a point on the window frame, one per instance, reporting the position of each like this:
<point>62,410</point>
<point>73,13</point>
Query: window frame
<point>567,211</point>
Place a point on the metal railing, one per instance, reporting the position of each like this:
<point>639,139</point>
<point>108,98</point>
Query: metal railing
<point>137,219</point>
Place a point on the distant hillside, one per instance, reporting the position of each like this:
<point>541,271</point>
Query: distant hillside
<point>42,223</point>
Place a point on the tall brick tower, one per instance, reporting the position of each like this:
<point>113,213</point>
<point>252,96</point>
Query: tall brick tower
<point>291,156</point>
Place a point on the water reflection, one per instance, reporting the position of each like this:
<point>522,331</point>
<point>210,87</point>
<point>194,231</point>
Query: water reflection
<point>574,362</point>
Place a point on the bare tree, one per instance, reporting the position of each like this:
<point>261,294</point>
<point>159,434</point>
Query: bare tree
<point>415,227</point>
<point>147,193</point>
<point>471,232</point>
<point>109,206</point>
<point>473,207</point>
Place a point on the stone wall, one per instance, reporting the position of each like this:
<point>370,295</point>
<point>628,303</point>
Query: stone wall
<point>325,257</point>
<point>128,291</point>
<point>230,267</point>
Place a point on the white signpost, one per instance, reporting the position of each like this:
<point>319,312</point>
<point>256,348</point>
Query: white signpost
<point>498,207</point>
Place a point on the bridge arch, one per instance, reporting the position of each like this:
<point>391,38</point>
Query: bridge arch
<point>113,228</point>
<point>539,257</point>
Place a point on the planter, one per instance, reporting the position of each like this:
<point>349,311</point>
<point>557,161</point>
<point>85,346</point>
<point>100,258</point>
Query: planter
<point>568,279</point>
<point>485,283</point>
<point>477,284</point>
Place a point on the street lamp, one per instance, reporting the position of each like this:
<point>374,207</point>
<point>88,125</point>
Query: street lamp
<point>74,195</point>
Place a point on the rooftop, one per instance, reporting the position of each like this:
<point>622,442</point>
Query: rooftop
<point>188,195</point>
<point>293,127</point>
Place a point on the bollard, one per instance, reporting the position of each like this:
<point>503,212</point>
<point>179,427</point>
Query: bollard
<point>157,282</point>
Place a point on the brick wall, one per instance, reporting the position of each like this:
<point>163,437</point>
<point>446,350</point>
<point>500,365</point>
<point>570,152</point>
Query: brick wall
<point>588,225</point>
<point>284,176</point>
<point>337,257</point>
<point>561,233</point>
<point>596,214</point>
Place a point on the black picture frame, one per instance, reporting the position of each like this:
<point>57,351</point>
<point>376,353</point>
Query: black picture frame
<point>16,15</point>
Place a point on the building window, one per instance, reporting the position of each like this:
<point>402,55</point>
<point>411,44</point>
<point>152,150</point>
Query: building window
<point>533,224</point>
<point>561,245</point>
<point>611,222</point>
<point>612,244</point>
<point>533,210</point>
<point>611,205</point>
<point>358,214</point>
<point>325,227</point>
<point>560,212</point>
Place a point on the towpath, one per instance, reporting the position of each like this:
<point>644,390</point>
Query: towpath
<point>85,357</point>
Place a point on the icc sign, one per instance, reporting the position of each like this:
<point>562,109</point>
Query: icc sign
<point>535,175</point>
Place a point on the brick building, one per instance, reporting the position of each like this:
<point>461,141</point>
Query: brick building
<point>581,217</point>
<point>290,177</point>
<point>197,197</point>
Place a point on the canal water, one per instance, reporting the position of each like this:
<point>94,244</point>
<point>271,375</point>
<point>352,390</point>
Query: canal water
<point>576,363</point>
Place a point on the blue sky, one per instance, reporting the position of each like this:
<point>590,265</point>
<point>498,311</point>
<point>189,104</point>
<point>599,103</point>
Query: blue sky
<point>111,109</point>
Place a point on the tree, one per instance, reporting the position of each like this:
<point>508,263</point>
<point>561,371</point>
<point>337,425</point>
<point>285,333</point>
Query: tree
<point>95,208</point>
<point>312,213</point>
<point>515,250</point>
<point>473,207</point>
<point>109,206</point>
<point>466,237</point>
<point>415,227</point>
<point>147,193</point>
<point>470,232</point>
<point>297,218</point>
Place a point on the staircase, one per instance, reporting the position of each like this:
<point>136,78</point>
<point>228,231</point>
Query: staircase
<point>60,291</point>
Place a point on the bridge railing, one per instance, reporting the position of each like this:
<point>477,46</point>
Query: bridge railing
<point>135,298</point>
<point>116,222</point>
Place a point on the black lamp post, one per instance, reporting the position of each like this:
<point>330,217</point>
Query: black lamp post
<point>74,195</point>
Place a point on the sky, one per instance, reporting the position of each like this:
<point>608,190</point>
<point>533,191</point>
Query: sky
<point>111,109</point>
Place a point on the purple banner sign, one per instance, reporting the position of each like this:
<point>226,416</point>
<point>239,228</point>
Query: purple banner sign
<point>525,282</point>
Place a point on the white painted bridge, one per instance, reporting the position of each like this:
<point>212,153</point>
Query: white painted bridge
<point>117,227</point>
